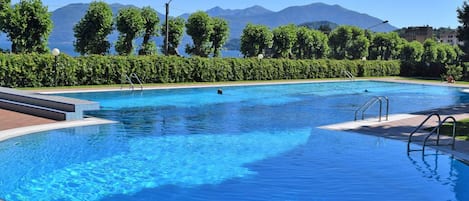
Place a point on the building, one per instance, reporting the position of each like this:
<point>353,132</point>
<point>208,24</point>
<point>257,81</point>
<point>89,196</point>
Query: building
<point>417,33</point>
<point>449,37</point>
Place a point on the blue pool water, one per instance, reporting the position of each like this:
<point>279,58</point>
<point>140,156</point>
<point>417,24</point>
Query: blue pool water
<point>251,143</point>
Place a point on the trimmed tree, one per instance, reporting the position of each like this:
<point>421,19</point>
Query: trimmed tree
<point>199,27</point>
<point>175,31</point>
<point>219,35</point>
<point>129,23</point>
<point>92,30</point>
<point>255,40</point>
<point>150,24</point>
<point>29,26</point>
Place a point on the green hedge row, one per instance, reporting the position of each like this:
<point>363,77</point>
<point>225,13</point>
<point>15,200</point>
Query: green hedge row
<point>34,70</point>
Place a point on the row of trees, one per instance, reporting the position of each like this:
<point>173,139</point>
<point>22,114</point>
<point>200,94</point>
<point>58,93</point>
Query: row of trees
<point>344,42</point>
<point>28,25</point>
<point>208,34</point>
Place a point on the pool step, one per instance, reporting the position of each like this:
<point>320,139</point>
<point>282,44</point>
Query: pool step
<point>52,107</point>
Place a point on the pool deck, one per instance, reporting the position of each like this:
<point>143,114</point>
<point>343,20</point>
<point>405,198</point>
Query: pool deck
<point>398,127</point>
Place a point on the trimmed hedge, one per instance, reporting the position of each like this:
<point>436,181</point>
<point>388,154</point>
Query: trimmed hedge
<point>37,70</point>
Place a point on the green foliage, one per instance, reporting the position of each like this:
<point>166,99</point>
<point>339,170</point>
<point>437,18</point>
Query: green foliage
<point>430,51</point>
<point>200,27</point>
<point>347,42</point>
<point>28,26</point>
<point>175,32</point>
<point>411,52</point>
<point>219,35</point>
<point>284,37</point>
<point>385,46</point>
<point>310,44</point>
<point>463,29</point>
<point>36,70</point>
<point>129,23</point>
<point>255,39</point>
<point>5,8</point>
<point>92,30</point>
<point>455,71</point>
<point>150,24</point>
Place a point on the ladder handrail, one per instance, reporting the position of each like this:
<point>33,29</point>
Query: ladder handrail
<point>420,126</point>
<point>348,74</point>
<point>438,133</point>
<point>370,103</point>
<point>138,80</point>
<point>129,79</point>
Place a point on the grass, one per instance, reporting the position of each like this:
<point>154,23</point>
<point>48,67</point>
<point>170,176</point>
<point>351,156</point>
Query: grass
<point>462,129</point>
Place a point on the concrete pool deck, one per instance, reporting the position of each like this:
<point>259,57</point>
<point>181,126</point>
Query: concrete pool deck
<point>13,124</point>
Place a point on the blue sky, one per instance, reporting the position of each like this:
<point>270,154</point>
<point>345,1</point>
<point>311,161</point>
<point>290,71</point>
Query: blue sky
<point>400,13</point>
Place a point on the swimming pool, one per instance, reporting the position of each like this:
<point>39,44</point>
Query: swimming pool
<point>251,143</point>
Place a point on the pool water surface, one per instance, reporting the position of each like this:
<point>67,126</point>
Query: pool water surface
<point>251,143</point>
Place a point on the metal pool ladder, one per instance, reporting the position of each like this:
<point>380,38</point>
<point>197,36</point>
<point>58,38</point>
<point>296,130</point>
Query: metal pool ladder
<point>129,80</point>
<point>348,75</point>
<point>370,103</point>
<point>434,131</point>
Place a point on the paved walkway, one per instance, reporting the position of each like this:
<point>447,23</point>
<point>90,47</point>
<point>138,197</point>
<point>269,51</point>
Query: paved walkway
<point>10,119</point>
<point>400,126</point>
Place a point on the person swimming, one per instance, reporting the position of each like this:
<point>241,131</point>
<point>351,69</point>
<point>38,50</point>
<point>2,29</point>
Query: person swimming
<point>219,91</point>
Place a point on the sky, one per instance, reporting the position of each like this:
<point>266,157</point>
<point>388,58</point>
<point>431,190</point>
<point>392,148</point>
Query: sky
<point>400,13</point>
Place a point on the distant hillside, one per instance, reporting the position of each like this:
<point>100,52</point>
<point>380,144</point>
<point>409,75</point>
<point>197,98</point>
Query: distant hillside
<point>318,24</point>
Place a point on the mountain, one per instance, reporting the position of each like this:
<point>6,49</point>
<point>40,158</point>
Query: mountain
<point>318,24</point>
<point>302,14</point>
<point>66,17</point>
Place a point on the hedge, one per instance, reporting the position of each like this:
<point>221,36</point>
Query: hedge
<point>37,70</point>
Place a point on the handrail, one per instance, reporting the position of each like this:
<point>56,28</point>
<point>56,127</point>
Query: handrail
<point>420,126</point>
<point>438,133</point>
<point>348,74</point>
<point>138,80</point>
<point>370,103</point>
<point>131,84</point>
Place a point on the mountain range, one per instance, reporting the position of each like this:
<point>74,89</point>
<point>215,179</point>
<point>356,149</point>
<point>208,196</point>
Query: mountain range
<point>66,17</point>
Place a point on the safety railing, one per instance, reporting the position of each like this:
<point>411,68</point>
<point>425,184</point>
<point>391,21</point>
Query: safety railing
<point>434,131</point>
<point>347,74</point>
<point>419,127</point>
<point>131,83</point>
<point>453,136</point>
<point>371,102</point>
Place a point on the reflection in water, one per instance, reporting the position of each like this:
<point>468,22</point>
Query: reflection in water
<point>429,165</point>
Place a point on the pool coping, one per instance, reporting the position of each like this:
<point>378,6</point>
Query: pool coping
<point>16,132</point>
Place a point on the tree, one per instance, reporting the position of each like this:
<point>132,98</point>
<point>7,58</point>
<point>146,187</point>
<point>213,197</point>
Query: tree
<point>151,21</point>
<point>284,37</point>
<point>92,30</point>
<point>175,32</point>
<point>255,39</point>
<point>310,44</point>
<point>385,46</point>
<point>28,26</point>
<point>463,29</point>
<point>199,26</point>
<point>430,52</point>
<point>129,23</point>
<point>347,42</point>
<point>5,8</point>
<point>411,52</point>
<point>219,35</point>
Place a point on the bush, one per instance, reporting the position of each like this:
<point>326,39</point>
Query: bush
<point>36,70</point>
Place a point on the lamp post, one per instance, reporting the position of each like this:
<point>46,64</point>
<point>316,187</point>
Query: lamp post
<point>383,22</point>
<point>166,42</point>
<point>55,53</point>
